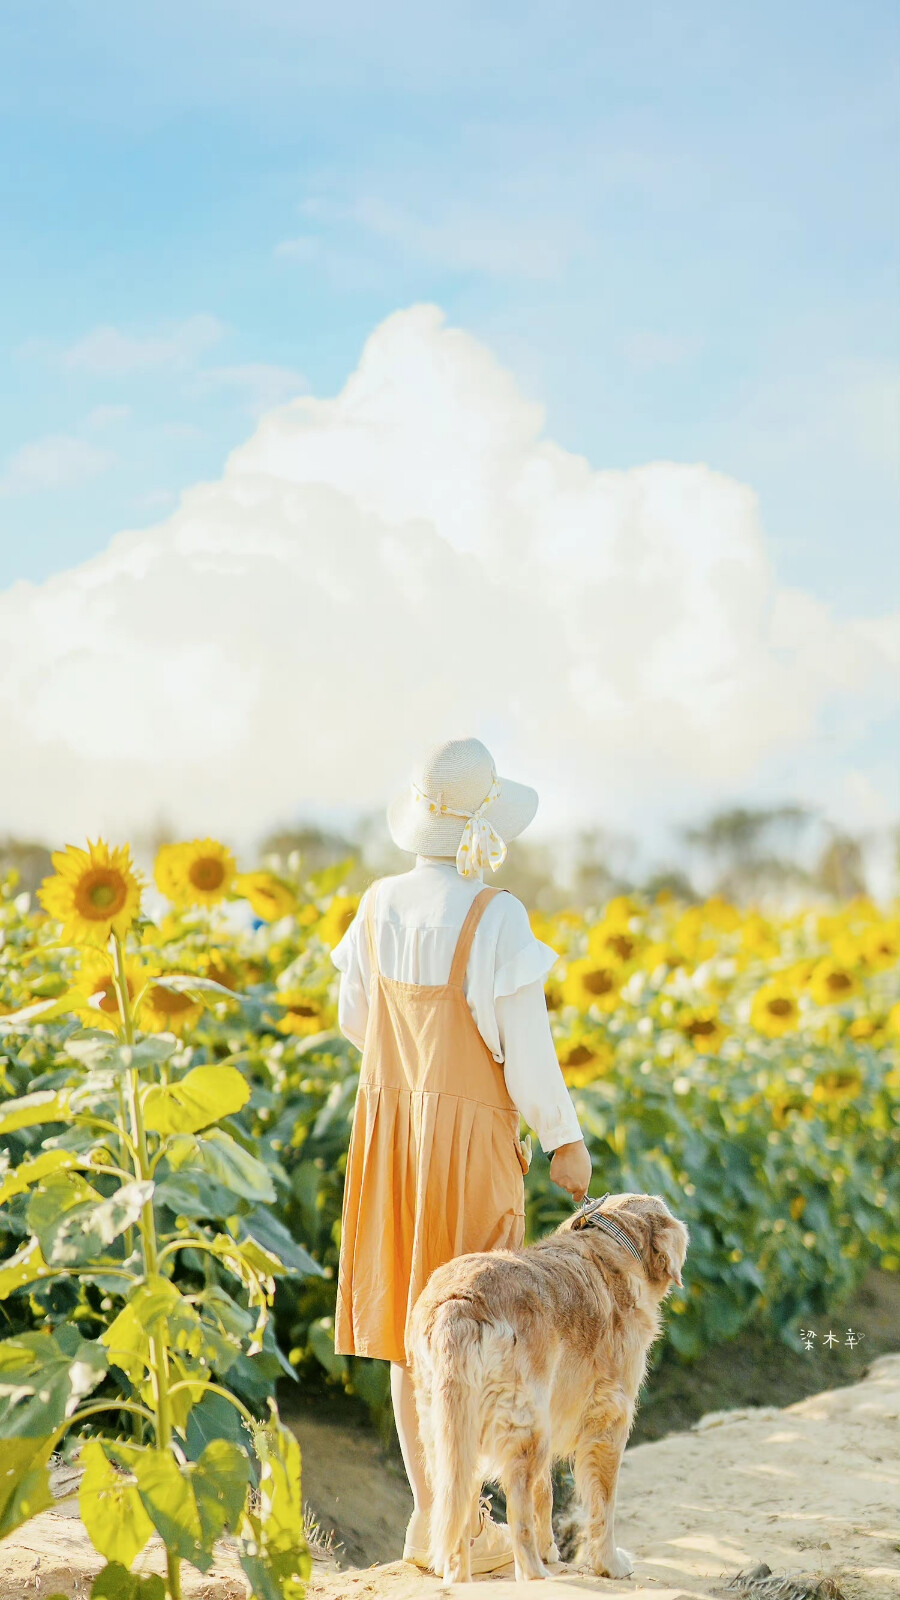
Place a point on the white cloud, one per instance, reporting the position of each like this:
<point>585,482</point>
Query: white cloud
<point>460,238</point>
<point>109,352</point>
<point>58,461</point>
<point>410,560</point>
<point>262,384</point>
<point>468,240</point>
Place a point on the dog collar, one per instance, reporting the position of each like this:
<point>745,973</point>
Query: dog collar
<point>593,1217</point>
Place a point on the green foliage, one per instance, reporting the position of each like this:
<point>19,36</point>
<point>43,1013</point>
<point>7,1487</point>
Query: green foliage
<point>143,1279</point>
<point>155,1189</point>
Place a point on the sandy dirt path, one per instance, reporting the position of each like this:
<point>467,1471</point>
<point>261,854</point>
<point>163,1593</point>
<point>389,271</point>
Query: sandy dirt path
<point>813,1489</point>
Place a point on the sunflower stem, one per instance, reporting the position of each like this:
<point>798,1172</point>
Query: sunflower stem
<point>159,1350</point>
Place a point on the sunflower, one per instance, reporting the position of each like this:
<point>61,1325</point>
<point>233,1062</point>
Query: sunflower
<point>775,1010</point>
<point>787,1103</point>
<point>620,910</point>
<point>689,939</point>
<point>302,1013</point>
<point>95,981</point>
<point>163,1010</point>
<point>584,1059</point>
<point>592,983</point>
<point>704,1029</point>
<point>869,1029</point>
<point>832,983</point>
<point>221,966</point>
<point>758,938</point>
<point>721,914</point>
<point>838,1084</point>
<point>199,872</point>
<point>881,946</point>
<point>94,893</point>
<point>659,954</point>
<point>893,1021</point>
<point>269,896</point>
<point>165,870</point>
<point>612,942</point>
<point>337,919</point>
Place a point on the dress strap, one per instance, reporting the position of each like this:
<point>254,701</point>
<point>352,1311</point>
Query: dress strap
<point>370,928</point>
<point>467,933</point>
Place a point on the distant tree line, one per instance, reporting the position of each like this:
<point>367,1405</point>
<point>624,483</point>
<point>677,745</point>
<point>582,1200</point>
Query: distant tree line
<point>762,854</point>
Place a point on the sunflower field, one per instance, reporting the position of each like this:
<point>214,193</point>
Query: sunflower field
<point>174,1121</point>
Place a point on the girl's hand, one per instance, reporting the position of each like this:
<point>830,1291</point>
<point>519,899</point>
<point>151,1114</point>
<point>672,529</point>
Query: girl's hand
<point>571,1169</point>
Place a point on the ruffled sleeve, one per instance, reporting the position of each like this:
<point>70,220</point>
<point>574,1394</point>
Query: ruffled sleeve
<point>520,958</point>
<point>526,1049</point>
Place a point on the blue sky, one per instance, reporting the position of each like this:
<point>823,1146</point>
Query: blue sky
<point>676,225</point>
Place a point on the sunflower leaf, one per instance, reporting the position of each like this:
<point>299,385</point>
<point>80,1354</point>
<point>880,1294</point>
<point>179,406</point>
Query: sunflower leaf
<point>277,1561</point>
<point>115,1582</point>
<point>203,1096</point>
<point>76,1225</point>
<point>24,1482</point>
<point>217,1154</point>
<point>42,1011</point>
<point>42,1378</point>
<point>267,1231</point>
<point>190,983</point>
<point>167,1498</point>
<point>92,1048</point>
<point>26,1266</point>
<point>47,1105</point>
<point>22,1177</point>
<point>111,1508</point>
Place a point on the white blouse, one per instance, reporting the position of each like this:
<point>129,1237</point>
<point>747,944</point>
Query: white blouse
<point>418,917</point>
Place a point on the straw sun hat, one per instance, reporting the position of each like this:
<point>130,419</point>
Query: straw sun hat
<point>455,804</point>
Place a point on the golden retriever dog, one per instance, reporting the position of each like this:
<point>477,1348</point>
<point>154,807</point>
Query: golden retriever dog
<point>524,1357</point>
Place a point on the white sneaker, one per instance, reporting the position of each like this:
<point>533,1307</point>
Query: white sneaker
<point>419,1554</point>
<point>491,1547</point>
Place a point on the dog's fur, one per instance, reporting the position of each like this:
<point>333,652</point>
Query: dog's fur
<point>523,1357</point>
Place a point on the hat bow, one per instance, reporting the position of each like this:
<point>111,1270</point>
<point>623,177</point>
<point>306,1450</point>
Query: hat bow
<point>481,845</point>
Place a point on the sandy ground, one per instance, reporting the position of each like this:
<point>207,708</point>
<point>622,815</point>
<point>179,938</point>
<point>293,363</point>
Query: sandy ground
<point>813,1489</point>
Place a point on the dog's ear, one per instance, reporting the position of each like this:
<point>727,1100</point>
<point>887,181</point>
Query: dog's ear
<point>668,1247</point>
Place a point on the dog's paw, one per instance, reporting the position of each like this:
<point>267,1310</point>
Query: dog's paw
<point>530,1574</point>
<point>606,1561</point>
<point>552,1555</point>
<point>620,1564</point>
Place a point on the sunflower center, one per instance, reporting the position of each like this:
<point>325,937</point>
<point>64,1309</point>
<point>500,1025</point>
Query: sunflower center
<point>101,894</point>
<point>622,945</point>
<point>701,1029</point>
<point>838,982</point>
<point>579,1055</point>
<point>207,872</point>
<point>303,1010</point>
<point>168,1001</point>
<point>780,1007</point>
<point>599,981</point>
<point>109,1000</point>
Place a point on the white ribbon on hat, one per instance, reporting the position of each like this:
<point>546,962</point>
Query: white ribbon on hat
<point>481,845</point>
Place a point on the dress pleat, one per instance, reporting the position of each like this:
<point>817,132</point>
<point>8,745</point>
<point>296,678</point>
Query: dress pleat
<point>434,1168</point>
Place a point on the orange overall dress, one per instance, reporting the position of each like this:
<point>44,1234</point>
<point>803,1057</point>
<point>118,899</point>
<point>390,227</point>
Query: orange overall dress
<point>435,1166</point>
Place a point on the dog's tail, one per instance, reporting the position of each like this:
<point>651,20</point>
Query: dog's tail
<point>456,1360</point>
